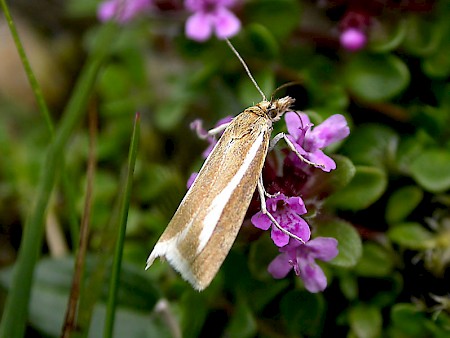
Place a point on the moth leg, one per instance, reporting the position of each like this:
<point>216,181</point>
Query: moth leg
<point>261,183</point>
<point>218,129</point>
<point>264,210</point>
<point>280,136</point>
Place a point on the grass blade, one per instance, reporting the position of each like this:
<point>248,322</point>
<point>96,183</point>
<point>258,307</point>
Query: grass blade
<point>15,314</point>
<point>117,262</point>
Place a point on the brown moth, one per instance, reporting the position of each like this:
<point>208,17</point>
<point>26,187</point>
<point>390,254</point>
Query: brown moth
<point>205,225</point>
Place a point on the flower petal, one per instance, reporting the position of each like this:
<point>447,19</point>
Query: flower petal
<point>296,124</point>
<point>301,229</point>
<point>331,130</point>
<point>296,204</point>
<point>226,23</point>
<point>312,275</point>
<point>261,221</point>
<point>279,238</point>
<point>199,26</point>
<point>191,179</point>
<point>297,146</point>
<point>319,157</point>
<point>197,126</point>
<point>324,248</point>
<point>194,5</point>
<point>122,11</point>
<point>280,266</point>
<point>353,39</point>
<point>106,10</point>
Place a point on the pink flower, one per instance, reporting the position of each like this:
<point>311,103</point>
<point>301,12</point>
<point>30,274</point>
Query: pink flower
<point>286,211</point>
<point>353,39</point>
<point>353,27</point>
<point>122,11</point>
<point>309,142</point>
<point>302,259</point>
<point>197,126</point>
<point>211,16</point>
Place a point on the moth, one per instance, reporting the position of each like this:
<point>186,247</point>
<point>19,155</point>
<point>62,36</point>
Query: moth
<point>205,225</point>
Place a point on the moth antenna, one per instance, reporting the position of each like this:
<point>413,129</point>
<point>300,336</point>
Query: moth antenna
<point>246,68</point>
<point>288,84</point>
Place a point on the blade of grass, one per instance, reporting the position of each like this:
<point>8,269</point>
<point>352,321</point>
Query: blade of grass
<point>117,261</point>
<point>43,108</point>
<point>28,70</point>
<point>93,285</point>
<point>16,307</point>
<point>69,322</point>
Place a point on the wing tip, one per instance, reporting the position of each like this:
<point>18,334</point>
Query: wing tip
<point>171,253</point>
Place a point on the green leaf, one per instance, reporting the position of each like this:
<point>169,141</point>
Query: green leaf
<point>264,293</point>
<point>365,188</point>
<point>114,82</point>
<point>262,252</point>
<point>408,149</point>
<point>376,78</point>
<point>343,174</point>
<point>332,98</point>
<point>348,285</point>
<point>402,202</point>
<point>372,145</point>
<point>279,16</point>
<point>169,115</point>
<point>375,261</point>
<point>300,307</point>
<point>194,310</point>
<point>408,320</point>
<point>48,307</point>
<point>242,323</point>
<point>53,278</point>
<point>431,169</point>
<point>387,35</point>
<point>263,41</point>
<point>412,236</point>
<point>350,246</point>
<point>365,321</point>
<point>423,36</point>
<point>438,64</point>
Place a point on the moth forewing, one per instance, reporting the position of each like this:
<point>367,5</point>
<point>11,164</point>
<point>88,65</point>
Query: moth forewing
<point>205,225</point>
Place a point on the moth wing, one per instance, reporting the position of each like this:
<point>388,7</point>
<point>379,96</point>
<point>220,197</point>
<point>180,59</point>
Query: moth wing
<point>205,225</point>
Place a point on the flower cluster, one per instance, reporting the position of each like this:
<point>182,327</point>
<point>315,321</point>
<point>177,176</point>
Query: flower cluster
<point>122,11</point>
<point>207,16</point>
<point>210,16</point>
<point>216,17</point>
<point>286,206</point>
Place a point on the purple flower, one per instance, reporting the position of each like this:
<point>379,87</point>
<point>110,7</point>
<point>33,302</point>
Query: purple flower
<point>310,142</point>
<point>353,27</point>
<point>122,11</point>
<point>286,211</point>
<point>353,39</point>
<point>302,259</point>
<point>209,16</point>
<point>191,179</point>
<point>197,126</point>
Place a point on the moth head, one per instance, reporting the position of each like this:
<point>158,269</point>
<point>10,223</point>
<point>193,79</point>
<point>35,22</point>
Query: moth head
<point>276,108</point>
